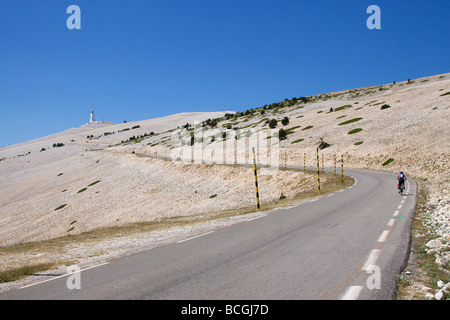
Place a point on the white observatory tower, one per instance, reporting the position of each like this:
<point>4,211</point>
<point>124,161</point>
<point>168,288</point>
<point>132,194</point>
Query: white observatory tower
<point>92,116</point>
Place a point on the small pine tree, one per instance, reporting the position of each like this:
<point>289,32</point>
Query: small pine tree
<point>323,144</point>
<point>282,134</point>
<point>273,123</point>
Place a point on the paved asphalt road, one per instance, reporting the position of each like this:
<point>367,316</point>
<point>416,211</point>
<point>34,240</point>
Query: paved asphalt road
<point>349,245</point>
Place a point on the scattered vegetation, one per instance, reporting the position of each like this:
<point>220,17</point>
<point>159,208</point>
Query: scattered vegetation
<point>445,94</point>
<point>358,143</point>
<point>385,106</point>
<point>343,107</point>
<point>349,121</point>
<point>16,274</point>
<point>297,141</point>
<point>323,144</point>
<point>82,190</point>
<point>282,134</point>
<point>61,206</point>
<point>388,161</point>
<point>58,145</point>
<point>308,127</point>
<point>273,123</point>
<point>354,131</point>
<point>93,183</point>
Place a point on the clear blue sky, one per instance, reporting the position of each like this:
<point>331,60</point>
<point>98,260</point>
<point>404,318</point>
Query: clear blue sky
<point>141,59</point>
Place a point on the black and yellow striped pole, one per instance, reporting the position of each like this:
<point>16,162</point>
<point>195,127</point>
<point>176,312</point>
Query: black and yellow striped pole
<point>256,178</point>
<point>318,172</point>
<point>342,168</point>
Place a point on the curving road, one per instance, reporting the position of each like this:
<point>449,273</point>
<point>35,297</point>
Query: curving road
<point>348,245</point>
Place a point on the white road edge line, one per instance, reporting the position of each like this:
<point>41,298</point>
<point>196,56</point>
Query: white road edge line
<point>372,259</point>
<point>256,218</point>
<point>200,235</point>
<point>352,293</point>
<point>384,236</point>
<point>63,275</point>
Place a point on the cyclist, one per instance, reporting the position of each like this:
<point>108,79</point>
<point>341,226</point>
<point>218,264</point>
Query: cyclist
<point>401,180</point>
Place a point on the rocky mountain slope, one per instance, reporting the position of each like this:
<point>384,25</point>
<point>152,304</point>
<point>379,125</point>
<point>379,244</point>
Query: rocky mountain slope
<point>101,175</point>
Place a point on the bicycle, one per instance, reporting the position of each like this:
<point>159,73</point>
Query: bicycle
<point>401,187</point>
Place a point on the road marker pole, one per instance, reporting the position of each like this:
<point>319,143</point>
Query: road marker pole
<point>342,168</point>
<point>256,178</point>
<point>318,172</point>
<point>304,161</point>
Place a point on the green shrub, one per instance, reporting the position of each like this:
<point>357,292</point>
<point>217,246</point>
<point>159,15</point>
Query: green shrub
<point>81,190</point>
<point>358,143</point>
<point>61,206</point>
<point>343,107</point>
<point>349,121</point>
<point>273,123</point>
<point>94,183</point>
<point>388,161</point>
<point>355,131</point>
<point>282,134</point>
<point>308,127</point>
<point>385,106</point>
<point>297,141</point>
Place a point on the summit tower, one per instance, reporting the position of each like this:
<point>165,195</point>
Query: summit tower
<point>92,116</point>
